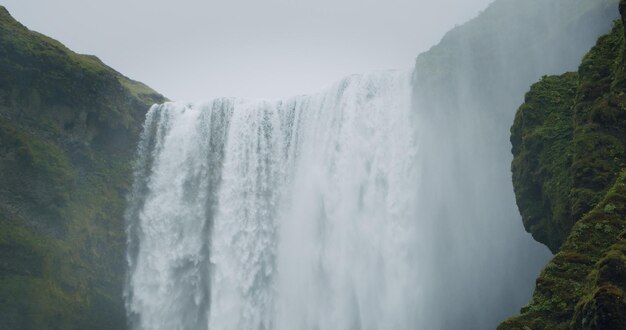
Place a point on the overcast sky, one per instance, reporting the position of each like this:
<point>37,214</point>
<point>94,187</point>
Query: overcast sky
<point>194,50</point>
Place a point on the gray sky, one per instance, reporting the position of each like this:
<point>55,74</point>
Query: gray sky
<point>193,50</point>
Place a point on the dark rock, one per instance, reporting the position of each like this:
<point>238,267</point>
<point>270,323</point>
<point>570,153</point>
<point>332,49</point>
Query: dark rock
<point>68,131</point>
<point>569,172</point>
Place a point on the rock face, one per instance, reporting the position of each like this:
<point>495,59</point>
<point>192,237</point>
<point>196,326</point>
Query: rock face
<point>467,89</point>
<point>569,174</point>
<point>622,11</point>
<point>472,80</point>
<point>69,127</point>
<point>68,130</point>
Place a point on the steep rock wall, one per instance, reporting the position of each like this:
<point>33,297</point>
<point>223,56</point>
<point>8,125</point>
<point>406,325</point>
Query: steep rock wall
<point>68,132</point>
<point>569,173</point>
<point>467,89</point>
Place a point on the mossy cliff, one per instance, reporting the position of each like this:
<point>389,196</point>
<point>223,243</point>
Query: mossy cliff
<point>466,89</point>
<point>68,130</point>
<point>569,174</point>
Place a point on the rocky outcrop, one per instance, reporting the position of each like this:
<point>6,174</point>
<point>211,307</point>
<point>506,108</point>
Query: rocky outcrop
<point>622,11</point>
<point>569,173</point>
<point>68,131</point>
<point>467,89</point>
<point>478,74</point>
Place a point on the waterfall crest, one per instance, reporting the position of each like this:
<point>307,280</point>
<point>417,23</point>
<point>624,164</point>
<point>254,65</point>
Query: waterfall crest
<point>280,214</point>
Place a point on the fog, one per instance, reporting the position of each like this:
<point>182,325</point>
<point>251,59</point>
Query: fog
<point>483,266</point>
<point>192,49</point>
<point>381,201</point>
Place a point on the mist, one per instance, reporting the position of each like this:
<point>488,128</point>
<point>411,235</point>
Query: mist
<point>382,201</point>
<point>466,92</point>
<point>312,165</point>
<point>348,165</point>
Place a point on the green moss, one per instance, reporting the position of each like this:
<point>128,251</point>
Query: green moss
<point>569,143</point>
<point>541,137</point>
<point>40,71</point>
<point>68,131</point>
<point>581,285</point>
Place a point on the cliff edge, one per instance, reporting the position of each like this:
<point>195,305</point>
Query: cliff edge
<point>569,175</point>
<point>69,126</point>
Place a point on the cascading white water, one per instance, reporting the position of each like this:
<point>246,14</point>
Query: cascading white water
<point>296,214</point>
<point>362,207</point>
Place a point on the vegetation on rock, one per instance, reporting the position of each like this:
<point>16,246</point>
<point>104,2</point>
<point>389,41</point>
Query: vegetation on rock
<point>569,174</point>
<point>68,130</point>
<point>69,126</point>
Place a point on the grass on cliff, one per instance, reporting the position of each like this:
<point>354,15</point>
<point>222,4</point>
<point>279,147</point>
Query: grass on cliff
<point>68,131</point>
<point>569,143</point>
<point>61,258</point>
<point>541,139</point>
<point>583,285</point>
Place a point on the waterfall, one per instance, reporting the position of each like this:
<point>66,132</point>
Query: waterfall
<point>316,212</point>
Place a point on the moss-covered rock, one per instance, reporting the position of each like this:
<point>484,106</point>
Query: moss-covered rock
<point>569,174</point>
<point>68,130</point>
<point>541,138</point>
<point>569,142</point>
<point>583,286</point>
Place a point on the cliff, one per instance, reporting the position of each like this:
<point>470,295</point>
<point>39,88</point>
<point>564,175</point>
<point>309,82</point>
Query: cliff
<point>569,174</point>
<point>467,89</point>
<point>68,131</point>
<point>69,126</point>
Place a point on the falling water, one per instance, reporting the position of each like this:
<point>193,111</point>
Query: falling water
<point>384,202</point>
<point>296,214</point>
